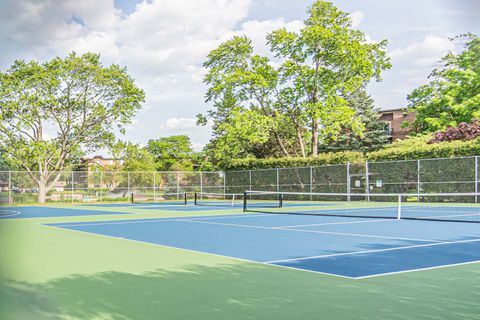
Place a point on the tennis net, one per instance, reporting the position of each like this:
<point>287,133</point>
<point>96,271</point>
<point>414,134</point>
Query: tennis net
<point>218,199</point>
<point>458,207</point>
<point>159,199</point>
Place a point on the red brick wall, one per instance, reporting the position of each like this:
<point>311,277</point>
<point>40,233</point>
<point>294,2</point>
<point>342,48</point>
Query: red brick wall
<point>396,118</point>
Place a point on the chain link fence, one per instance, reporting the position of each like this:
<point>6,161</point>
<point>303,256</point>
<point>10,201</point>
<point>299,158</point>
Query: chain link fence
<point>449,175</point>
<point>19,187</point>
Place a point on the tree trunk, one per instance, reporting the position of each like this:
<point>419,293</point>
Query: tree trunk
<point>42,191</point>
<point>314,137</point>
<point>300,141</point>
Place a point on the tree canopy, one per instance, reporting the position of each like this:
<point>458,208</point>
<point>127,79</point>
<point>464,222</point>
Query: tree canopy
<point>52,112</point>
<point>297,101</point>
<point>172,153</point>
<point>453,94</point>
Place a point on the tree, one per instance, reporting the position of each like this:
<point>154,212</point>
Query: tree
<point>303,100</point>
<point>50,113</point>
<point>453,96</point>
<point>375,135</point>
<point>171,153</point>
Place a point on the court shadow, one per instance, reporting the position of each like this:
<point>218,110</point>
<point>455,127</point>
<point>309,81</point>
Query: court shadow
<point>242,291</point>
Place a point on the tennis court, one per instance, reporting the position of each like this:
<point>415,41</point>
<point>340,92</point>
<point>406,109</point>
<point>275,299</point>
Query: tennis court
<point>242,254</point>
<point>317,235</point>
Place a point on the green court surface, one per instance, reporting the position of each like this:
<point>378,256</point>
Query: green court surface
<point>53,273</point>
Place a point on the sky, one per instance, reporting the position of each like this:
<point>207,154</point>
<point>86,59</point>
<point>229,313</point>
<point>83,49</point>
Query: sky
<point>163,44</point>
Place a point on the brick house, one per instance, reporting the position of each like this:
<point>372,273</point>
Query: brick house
<point>98,162</point>
<point>393,119</point>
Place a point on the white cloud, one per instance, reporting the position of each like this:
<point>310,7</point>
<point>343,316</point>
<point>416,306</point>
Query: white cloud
<point>181,123</point>
<point>357,18</point>
<point>425,52</point>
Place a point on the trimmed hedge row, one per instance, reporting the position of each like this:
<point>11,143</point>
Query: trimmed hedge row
<point>409,149</point>
<point>416,148</point>
<point>321,159</point>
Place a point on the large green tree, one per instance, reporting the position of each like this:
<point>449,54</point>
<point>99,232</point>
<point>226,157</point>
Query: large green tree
<point>375,135</point>
<point>453,95</point>
<point>300,99</point>
<point>172,153</point>
<point>52,112</point>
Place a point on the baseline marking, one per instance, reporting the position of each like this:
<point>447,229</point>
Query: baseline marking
<point>309,231</point>
<point>373,251</point>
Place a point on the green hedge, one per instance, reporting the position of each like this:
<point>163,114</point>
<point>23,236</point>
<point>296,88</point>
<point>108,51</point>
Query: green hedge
<point>322,159</point>
<point>417,148</point>
<point>409,149</point>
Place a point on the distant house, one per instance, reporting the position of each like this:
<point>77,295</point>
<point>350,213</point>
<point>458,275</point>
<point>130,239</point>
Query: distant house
<point>98,163</point>
<point>393,119</point>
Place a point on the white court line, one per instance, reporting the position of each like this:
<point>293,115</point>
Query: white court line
<point>196,251</point>
<point>333,223</point>
<point>310,231</point>
<point>374,251</point>
<point>10,213</point>
<point>153,220</point>
<point>418,269</point>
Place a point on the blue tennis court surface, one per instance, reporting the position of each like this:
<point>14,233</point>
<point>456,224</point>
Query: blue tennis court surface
<point>342,246</point>
<point>47,212</point>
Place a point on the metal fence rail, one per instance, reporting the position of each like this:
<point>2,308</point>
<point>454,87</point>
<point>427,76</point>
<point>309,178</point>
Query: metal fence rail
<point>447,175</point>
<point>443,175</point>
<point>18,187</point>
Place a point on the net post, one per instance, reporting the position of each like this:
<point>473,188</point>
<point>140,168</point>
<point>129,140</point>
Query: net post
<point>131,197</point>
<point>280,200</point>
<point>399,209</point>
<point>185,198</point>
<point>195,198</point>
<point>245,201</point>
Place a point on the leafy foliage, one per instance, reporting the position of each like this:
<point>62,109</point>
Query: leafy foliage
<point>453,96</point>
<point>134,158</point>
<point>464,131</point>
<point>77,101</point>
<point>375,135</point>
<point>321,159</point>
<point>171,153</point>
<point>419,148</point>
<point>295,105</point>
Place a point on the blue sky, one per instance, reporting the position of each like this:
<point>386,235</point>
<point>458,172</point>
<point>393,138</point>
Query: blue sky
<point>163,43</point>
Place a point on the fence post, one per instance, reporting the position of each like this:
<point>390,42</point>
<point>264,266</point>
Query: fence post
<point>311,180</point>
<point>178,182</point>
<point>250,180</point>
<point>101,186</point>
<point>224,174</point>
<point>476,179</point>
<point>418,179</point>
<point>349,186</point>
<point>10,200</point>
<point>278,179</point>
<point>154,186</point>
<point>72,185</point>
<point>201,182</point>
<point>128,182</point>
<point>367,180</point>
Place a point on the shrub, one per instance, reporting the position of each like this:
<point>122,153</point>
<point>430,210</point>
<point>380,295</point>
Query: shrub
<point>464,131</point>
<point>322,159</point>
